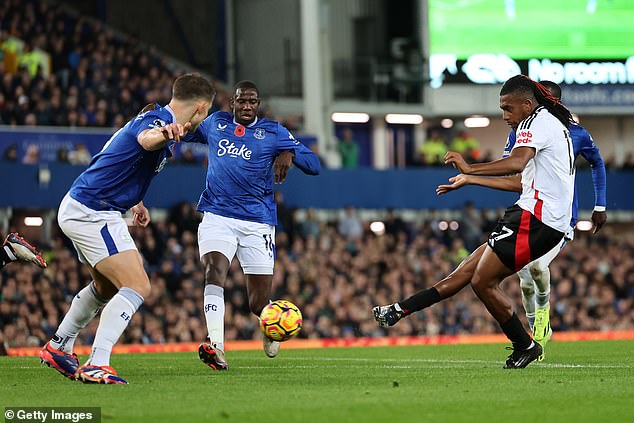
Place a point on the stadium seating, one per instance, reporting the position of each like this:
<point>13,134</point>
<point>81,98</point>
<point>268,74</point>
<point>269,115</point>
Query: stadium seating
<point>334,280</point>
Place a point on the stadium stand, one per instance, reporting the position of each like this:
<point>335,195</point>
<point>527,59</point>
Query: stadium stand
<point>61,69</point>
<point>84,75</point>
<point>335,280</point>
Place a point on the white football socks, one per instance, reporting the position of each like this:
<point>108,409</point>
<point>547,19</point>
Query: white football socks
<point>83,309</point>
<point>214,308</point>
<point>114,319</point>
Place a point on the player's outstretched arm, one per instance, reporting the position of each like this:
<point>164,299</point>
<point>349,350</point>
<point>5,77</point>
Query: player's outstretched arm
<point>506,183</point>
<point>590,152</point>
<point>304,158</point>
<point>156,138</point>
<point>510,165</point>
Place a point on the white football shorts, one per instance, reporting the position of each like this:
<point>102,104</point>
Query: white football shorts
<point>253,242</point>
<point>96,235</point>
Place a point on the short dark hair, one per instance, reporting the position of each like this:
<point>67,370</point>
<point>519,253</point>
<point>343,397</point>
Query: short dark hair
<point>245,85</point>
<point>192,86</point>
<point>554,88</point>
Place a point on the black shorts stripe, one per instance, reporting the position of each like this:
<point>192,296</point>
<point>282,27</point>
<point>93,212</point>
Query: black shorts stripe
<point>520,238</point>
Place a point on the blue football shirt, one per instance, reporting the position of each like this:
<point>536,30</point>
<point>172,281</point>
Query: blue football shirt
<point>119,175</point>
<point>240,172</point>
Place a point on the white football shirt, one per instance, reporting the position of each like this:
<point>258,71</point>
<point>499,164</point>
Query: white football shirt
<point>548,180</point>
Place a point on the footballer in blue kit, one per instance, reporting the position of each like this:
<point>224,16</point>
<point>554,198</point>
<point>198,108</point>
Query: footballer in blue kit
<point>240,172</point>
<point>246,156</point>
<point>91,216</point>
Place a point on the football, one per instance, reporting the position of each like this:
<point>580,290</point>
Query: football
<point>280,320</point>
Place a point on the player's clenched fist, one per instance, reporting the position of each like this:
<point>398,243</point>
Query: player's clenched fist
<point>174,131</point>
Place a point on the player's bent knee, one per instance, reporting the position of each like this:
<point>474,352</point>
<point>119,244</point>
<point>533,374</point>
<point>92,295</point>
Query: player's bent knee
<point>105,289</point>
<point>537,270</point>
<point>477,284</point>
<point>142,287</point>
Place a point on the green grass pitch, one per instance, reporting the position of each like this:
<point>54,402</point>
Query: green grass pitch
<point>578,382</point>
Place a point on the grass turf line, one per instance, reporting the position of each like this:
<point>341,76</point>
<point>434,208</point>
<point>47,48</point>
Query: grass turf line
<point>579,381</point>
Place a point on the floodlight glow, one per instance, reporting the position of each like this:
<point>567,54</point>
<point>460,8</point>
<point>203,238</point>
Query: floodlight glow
<point>446,123</point>
<point>442,225</point>
<point>477,122</point>
<point>584,225</point>
<point>378,228</point>
<point>453,225</point>
<point>403,119</point>
<point>340,117</point>
<point>33,221</point>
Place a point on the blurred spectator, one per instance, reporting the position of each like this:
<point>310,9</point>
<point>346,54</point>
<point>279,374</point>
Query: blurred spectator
<point>628,162</point>
<point>310,226</point>
<point>592,285</point>
<point>32,155</point>
<point>432,152</point>
<point>11,153</point>
<point>62,155</point>
<point>465,144</point>
<point>30,120</point>
<point>187,156</point>
<point>394,225</point>
<point>285,218</point>
<point>348,150</point>
<point>350,225</point>
<point>97,78</point>
<point>79,155</point>
<point>471,225</point>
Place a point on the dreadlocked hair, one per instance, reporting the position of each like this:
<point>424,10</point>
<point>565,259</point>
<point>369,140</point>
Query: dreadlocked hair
<point>522,84</point>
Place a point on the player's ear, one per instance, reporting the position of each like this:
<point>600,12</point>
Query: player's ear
<point>528,105</point>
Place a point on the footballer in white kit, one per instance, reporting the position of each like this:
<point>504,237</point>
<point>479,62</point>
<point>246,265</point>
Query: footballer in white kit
<point>543,154</point>
<point>541,216</point>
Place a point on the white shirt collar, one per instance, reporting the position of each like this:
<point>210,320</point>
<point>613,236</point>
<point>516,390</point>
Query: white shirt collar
<point>249,125</point>
<point>169,109</point>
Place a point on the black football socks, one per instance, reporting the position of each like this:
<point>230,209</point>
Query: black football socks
<point>420,300</point>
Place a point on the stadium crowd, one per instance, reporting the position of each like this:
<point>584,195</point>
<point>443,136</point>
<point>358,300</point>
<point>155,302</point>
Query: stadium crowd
<point>89,76</point>
<point>335,271</point>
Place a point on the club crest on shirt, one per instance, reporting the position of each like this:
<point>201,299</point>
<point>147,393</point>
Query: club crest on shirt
<point>259,134</point>
<point>157,123</point>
